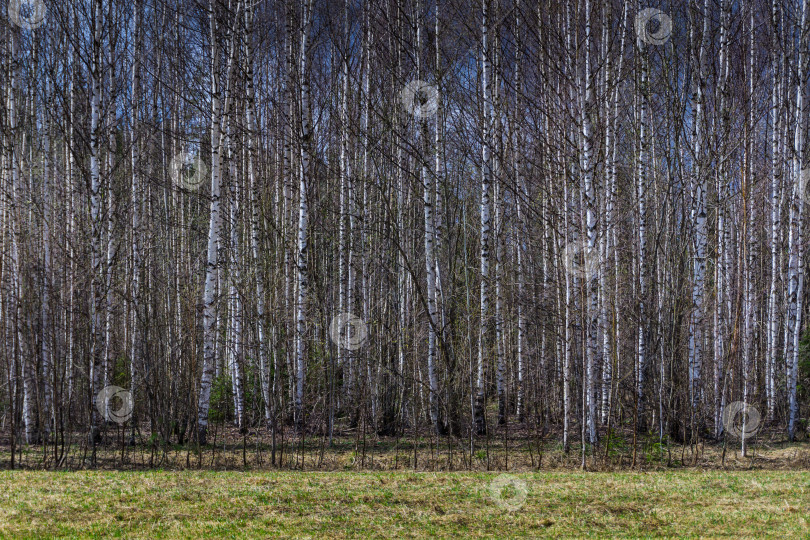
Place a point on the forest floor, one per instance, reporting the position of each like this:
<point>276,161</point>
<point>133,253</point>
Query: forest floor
<point>353,451</point>
<point>155,504</point>
<point>404,487</point>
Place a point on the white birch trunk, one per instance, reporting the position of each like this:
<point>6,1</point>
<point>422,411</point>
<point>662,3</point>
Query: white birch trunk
<point>234,277</point>
<point>433,316</point>
<point>486,182</point>
<point>48,412</point>
<point>97,281</point>
<point>795,239</point>
<point>303,216</point>
<point>135,202</point>
<point>344,241</point>
<point>641,187</point>
<point>214,225</point>
<point>591,279</point>
<point>110,195</point>
<point>749,238</point>
<point>521,196</point>
<point>698,218</point>
<point>427,181</point>
<point>568,337</point>
<point>775,116</point>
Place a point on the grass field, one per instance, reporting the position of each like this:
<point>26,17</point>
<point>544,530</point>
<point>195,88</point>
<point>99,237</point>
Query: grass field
<point>193,504</point>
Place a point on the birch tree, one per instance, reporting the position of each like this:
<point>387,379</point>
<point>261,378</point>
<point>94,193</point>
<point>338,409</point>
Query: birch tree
<point>214,227</point>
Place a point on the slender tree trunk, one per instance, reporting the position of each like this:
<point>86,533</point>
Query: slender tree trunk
<point>591,279</point>
<point>775,118</point>
<point>214,226</point>
<point>795,240</point>
<point>486,182</point>
<point>641,192</point>
<point>97,281</point>
<point>698,216</point>
<point>135,202</point>
<point>234,277</point>
<point>303,216</point>
<point>48,411</point>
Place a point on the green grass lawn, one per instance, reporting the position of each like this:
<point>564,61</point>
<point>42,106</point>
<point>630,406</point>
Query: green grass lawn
<point>242,504</point>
